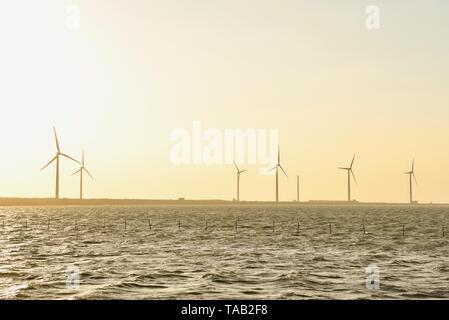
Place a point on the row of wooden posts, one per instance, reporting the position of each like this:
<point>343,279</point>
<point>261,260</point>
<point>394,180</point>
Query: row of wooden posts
<point>443,228</point>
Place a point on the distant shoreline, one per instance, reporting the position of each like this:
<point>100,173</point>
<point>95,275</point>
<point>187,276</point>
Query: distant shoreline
<point>16,202</point>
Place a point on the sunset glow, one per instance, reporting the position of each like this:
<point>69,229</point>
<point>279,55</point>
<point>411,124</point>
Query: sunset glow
<point>136,71</point>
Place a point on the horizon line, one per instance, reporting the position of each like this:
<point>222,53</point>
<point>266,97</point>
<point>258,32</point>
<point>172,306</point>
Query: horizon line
<point>30,201</point>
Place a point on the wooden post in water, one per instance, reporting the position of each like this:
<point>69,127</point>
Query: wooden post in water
<point>403,230</point>
<point>125,224</point>
<point>48,224</point>
<point>26,224</point>
<point>443,227</point>
<point>273,227</point>
<point>330,228</point>
<point>179,225</point>
<point>297,227</point>
<point>235,226</point>
<point>206,225</point>
<point>149,223</point>
<point>364,231</point>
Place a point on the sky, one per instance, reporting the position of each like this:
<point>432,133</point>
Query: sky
<point>135,71</point>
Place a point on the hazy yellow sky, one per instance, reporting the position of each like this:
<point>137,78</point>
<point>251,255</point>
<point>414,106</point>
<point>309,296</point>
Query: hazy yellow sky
<point>137,70</point>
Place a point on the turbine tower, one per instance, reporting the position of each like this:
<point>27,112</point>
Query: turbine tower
<point>81,171</point>
<point>410,174</point>
<point>277,166</point>
<point>350,172</point>
<point>56,157</point>
<point>239,172</point>
<point>297,188</point>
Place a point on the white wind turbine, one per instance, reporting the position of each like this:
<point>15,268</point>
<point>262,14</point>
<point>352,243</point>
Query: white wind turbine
<point>410,174</point>
<point>277,166</point>
<point>350,172</point>
<point>56,158</point>
<point>81,170</point>
<point>239,172</point>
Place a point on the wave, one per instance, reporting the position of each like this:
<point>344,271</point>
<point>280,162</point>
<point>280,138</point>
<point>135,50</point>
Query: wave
<point>13,292</point>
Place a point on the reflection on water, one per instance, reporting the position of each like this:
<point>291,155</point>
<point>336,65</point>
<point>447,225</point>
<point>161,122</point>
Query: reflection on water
<point>277,252</point>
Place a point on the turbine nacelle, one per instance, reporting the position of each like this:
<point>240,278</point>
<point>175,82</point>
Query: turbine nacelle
<point>238,170</point>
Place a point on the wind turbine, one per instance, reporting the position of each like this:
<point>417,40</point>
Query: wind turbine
<point>81,170</point>
<point>350,172</point>
<point>410,174</point>
<point>239,172</point>
<point>56,157</point>
<point>278,165</point>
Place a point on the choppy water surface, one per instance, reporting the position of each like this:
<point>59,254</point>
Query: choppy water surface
<point>294,261</point>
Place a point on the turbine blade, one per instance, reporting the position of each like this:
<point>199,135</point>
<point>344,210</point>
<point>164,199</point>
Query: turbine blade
<point>49,163</point>
<point>76,172</point>
<point>87,171</point>
<point>56,140</point>
<point>283,171</point>
<point>69,157</point>
<point>236,166</point>
<point>83,159</point>
<point>352,162</point>
<point>413,165</point>
<point>243,171</point>
<point>353,176</point>
<point>343,168</point>
<point>272,168</point>
<point>416,181</point>
<point>279,155</point>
